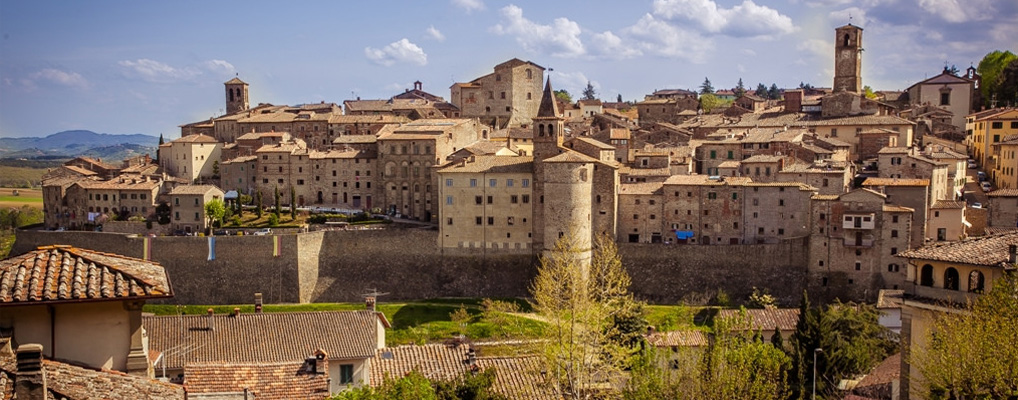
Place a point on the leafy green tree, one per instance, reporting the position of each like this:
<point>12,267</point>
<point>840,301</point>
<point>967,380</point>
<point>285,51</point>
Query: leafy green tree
<point>774,93</point>
<point>740,89</point>
<point>163,213</point>
<point>278,208</point>
<point>261,207</point>
<point>868,92</point>
<point>805,86</point>
<point>583,351</point>
<point>709,102</point>
<point>1007,84</point>
<point>971,353</point>
<point>588,92</point>
<point>761,91</point>
<point>215,210</point>
<point>989,70</point>
<point>953,69</point>
<point>706,86</point>
<point>293,203</point>
<point>564,96</point>
<point>273,220</point>
<point>852,339</point>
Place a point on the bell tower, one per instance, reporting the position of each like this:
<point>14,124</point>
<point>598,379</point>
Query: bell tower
<point>848,59</point>
<point>236,96</point>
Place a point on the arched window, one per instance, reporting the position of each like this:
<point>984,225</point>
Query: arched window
<point>846,40</point>
<point>583,175</point>
<point>951,279</point>
<point>530,73</point>
<point>551,130</point>
<point>976,282</point>
<point>540,129</point>
<point>926,276</point>
<point>230,92</point>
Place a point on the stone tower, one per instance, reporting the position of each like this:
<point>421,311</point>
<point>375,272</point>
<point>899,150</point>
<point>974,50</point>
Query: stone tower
<point>568,187</point>
<point>848,59</point>
<point>236,96</point>
<point>548,130</point>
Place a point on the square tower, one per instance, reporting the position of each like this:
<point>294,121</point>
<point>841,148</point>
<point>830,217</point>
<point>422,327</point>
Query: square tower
<point>848,59</point>
<point>236,96</point>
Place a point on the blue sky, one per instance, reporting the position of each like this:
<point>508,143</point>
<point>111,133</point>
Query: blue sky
<point>147,67</point>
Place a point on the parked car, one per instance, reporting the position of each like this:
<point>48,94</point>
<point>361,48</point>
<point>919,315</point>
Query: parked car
<point>972,164</point>
<point>981,175</point>
<point>977,205</point>
<point>263,232</point>
<point>986,186</point>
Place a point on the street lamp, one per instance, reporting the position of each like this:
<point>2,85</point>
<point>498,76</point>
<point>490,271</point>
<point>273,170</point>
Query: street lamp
<point>816,351</point>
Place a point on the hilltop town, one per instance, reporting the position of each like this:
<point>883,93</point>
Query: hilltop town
<point>907,200</point>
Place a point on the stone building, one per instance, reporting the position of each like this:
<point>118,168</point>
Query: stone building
<point>508,96</point>
<point>909,193</point>
<point>901,163</point>
<point>946,221</point>
<point>237,96</point>
<point>188,206</point>
<point>343,179</point>
<point>486,203</point>
<point>406,157</point>
<point>853,244</point>
<point>279,167</point>
<point>76,203</point>
<point>192,157</point>
<point>1005,164</point>
<point>848,59</point>
<point>947,91</point>
<point>672,110</point>
<point>828,177</point>
<point>1003,205</point>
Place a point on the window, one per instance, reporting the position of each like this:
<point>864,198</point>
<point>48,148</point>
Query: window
<point>781,231</point>
<point>526,183</point>
<point>509,183</point>
<point>951,279</point>
<point>479,220</point>
<point>834,132</point>
<point>448,221</point>
<point>526,198</point>
<point>346,374</point>
<point>492,182</point>
<point>997,125</point>
<point>448,182</point>
<point>491,199</point>
<point>858,266</point>
<point>781,202</point>
<point>926,275</point>
<point>514,199</point>
<point>491,220</point>
<point>473,182</point>
<point>894,233</point>
<point>448,199</point>
<point>710,195</point>
<point>945,99</point>
<point>894,219</point>
<point>478,200</point>
<point>735,196</point>
<point>713,154</point>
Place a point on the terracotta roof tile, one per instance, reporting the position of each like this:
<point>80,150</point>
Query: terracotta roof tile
<point>282,381</point>
<point>492,164</point>
<point>895,182</point>
<point>196,139</point>
<point>262,337</point>
<point>768,318</point>
<point>688,338</point>
<point>69,382</point>
<point>53,274</point>
<point>194,190</point>
<point>989,250</point>
<point>1004,193</point>
<point>878,383</point>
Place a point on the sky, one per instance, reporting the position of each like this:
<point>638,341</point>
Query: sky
<point>149,66</point>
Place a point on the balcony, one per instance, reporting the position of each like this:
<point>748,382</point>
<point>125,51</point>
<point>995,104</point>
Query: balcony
<point>864,221</point>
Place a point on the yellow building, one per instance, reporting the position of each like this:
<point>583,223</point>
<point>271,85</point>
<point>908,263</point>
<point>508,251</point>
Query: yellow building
<point>188,202</point>
<point>1005,155</point>
<point>191,157</point>
<point>987,128</point>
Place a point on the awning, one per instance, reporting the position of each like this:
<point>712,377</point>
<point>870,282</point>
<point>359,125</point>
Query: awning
<point>230,195</point>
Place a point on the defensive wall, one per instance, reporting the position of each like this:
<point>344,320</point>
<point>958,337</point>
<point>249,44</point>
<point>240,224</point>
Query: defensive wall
<point>337,266</point>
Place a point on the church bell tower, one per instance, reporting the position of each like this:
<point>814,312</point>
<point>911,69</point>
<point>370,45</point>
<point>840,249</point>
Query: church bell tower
<point>848,59</point>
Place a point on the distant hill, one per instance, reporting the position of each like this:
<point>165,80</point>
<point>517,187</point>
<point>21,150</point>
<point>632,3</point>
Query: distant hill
<point>80,142</point>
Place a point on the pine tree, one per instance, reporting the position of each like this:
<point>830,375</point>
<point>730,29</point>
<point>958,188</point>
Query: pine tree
<point>761,90</point>
<point>589,93</point>
<point>706,86</point>
<point>619,99</point>
<point>740,89</point>
<point>773,93</point>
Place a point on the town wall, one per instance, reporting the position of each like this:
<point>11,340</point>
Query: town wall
<point>339,266</point>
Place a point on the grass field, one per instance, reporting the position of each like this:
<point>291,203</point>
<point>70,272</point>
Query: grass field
<point>21,176</point>
<point>29,197</point>
<point>412,322</point>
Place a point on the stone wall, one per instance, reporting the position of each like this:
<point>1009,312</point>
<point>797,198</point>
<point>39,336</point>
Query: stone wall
<point>342,265</point>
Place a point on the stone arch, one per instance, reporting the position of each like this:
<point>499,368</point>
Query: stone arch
<point>976,282</point>
<point>951,279</point>
<point>926,275</point>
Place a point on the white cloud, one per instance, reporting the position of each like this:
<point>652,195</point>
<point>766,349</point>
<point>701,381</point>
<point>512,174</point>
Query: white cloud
<point>955,12</point>
<point>817,47</point>
<point>434,33</point>
<point>469,5</point>
<point>55,76</point>
<point>658,37</point>
<point>400,51</point>
<point>560,39</point>
<point>744,20</point>
<point>159,72</point>
<point>858,16</point>
<point>573,82</point>
<point>607,44</point>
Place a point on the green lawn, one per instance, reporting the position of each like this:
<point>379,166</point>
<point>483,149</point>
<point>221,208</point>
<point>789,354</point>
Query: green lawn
<point>413,322</point>
<point>674,317</point>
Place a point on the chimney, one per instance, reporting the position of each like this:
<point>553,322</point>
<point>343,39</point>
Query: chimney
<point>369,303</point>
<point>793,100</point>
<point>471,357</point>
<point>321,363</point>
<point>212,315</point>
<point>30,382</point>
<point>236,311</point>
<point>1012,253</point>
<point>258,303</point>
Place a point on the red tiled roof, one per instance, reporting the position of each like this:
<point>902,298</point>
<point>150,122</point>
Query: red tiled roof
<point>991,250</point>
<point>69,382</point>
<point>878,383</point>
<point>285,380</point>
<point>766,319</point>
<point>690,338</point>
<point>262,337</point>
<point>53,274</point>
